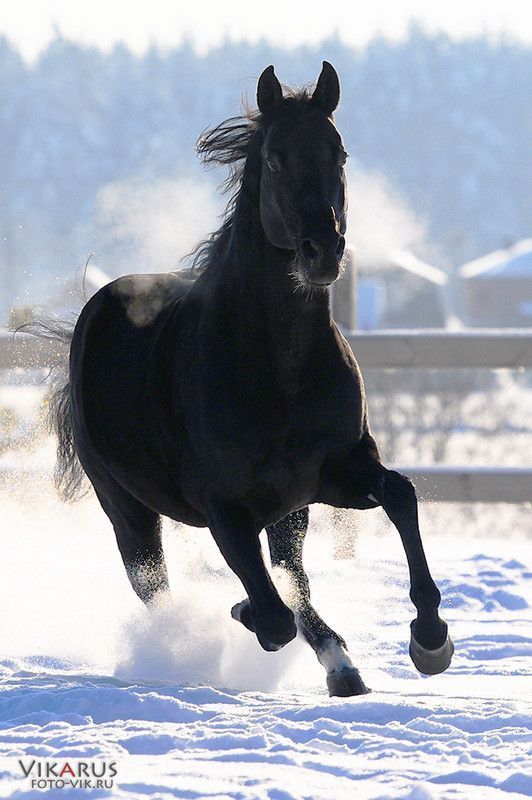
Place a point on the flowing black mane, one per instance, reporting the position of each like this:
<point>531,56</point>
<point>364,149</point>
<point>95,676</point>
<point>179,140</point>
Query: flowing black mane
<point>228,144</point>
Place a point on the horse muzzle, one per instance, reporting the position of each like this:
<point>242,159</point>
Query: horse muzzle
<point>320,260</point>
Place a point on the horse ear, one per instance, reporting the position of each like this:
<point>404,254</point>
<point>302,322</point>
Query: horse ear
<point>327,92</point>
<point>269,92</point>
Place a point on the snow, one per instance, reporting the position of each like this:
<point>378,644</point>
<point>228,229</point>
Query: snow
<point>189,706</point>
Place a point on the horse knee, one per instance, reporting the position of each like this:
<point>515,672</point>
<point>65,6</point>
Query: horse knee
<point>397,488</point>
<point>397,495</point>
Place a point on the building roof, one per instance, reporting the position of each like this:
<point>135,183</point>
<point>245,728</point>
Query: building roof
<point>510,262</point>
<point>402,259</point>
<point>413,264</point>
<point>95,278</point>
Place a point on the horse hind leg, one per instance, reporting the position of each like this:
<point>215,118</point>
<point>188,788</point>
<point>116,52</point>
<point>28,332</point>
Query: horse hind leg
<point>286,539</point>
<point>138,535</point>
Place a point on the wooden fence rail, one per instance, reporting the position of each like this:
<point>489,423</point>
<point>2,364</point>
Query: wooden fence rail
<point>23,351</point>
<point>441,349</point>
<point>427,349</point>
<point>452,484</point>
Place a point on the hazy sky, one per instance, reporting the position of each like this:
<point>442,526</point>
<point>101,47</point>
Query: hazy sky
<point>30,23</point>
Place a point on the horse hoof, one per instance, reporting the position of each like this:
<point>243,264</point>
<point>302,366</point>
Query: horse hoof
<point>274,634</point>
<point>272,644</point>
<point>272,639</point>
<point>431,662</point>
<point>346,682</point>
<point>242,613</point>
<point>270,647</point>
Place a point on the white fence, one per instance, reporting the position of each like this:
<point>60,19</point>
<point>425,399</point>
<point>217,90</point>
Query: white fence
<point>489,349</point>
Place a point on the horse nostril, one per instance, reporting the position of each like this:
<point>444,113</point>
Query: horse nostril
<point>340,247</point>
<point>310,250</point>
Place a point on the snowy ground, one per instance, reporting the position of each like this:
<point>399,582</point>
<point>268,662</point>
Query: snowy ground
<point>188,705</point>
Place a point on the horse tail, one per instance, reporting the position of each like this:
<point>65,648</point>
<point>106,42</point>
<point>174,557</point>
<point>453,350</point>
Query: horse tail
<point>69,476</point>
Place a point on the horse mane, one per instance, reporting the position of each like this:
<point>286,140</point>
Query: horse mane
<point>228,144</point>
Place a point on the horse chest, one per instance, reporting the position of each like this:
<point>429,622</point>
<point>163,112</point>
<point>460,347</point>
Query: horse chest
<point>287,472</point>
<point>303,432</point>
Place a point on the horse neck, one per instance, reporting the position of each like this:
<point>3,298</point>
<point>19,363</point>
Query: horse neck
<point>257,277</point>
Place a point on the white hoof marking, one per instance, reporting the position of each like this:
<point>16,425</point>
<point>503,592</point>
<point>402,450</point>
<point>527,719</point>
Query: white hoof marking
<point>334,657</point>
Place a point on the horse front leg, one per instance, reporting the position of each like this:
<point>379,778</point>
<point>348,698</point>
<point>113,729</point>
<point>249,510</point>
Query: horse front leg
<point>366,483</point>
<point>431,648</point>
<point>286,539</point>
<point>265,613</point>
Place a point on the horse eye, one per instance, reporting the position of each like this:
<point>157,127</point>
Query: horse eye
<point>273,164</point>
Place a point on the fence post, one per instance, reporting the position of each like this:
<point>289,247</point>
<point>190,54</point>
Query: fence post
<point>344,295</point>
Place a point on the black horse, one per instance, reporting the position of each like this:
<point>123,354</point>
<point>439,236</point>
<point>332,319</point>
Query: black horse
<point>231,400</point>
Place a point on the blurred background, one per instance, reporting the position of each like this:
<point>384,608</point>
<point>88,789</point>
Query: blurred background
<point>100,109</point>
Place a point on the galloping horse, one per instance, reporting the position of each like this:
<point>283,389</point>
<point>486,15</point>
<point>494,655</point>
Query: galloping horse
<point>230,400</point>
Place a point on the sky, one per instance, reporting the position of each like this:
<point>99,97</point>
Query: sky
<point>30,24</point>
